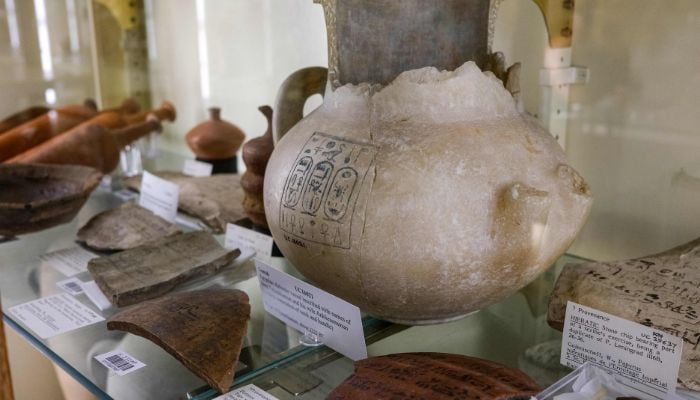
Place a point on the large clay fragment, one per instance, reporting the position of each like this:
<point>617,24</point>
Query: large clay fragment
<point>216,200</point>
<point>37,196</point>
<point>434,376</point>
<point>203,329</point>
<point>124,227</point>
<point>151,270</point>
<point>661,291</point>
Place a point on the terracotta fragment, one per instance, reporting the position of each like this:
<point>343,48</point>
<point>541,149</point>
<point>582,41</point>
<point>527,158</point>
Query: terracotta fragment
<point>660,291</point>
<point>36,196</point>
<point>124,227</point>
<point>151,270</point>
<point>203,329</point>
<point>216,199</point>
<point>434,376</point>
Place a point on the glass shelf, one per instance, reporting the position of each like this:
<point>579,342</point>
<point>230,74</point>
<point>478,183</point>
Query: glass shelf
<point>272,357</point>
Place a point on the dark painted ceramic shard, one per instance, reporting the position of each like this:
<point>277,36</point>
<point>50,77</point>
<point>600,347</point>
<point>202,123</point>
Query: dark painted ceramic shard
<point>216,200</point>
<point>151,270</point>
<point>203,329</point>
<point>434,376</point>
<point>38,196</point>
<point>124,227</point>
<point>660,291</point>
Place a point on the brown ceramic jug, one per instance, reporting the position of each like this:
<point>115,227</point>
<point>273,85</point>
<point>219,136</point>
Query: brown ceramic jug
<point>216,141</point>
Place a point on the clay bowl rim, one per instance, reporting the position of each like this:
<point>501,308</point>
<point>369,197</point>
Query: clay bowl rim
<point>89,177</point>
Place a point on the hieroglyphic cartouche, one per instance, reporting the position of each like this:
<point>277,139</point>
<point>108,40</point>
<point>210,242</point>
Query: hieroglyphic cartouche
<point>322,189</point>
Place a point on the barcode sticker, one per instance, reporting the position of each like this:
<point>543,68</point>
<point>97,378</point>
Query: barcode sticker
<point>73,286</point>
<point>119,362</point>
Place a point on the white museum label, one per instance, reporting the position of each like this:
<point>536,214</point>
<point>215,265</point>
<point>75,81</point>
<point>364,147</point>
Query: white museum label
<point>93,292</point>
<point>196,168</point>
<point>54,315</point>
<point>160,196</point>
<point>119,362</point>
<point>644,358</point>
<point>70,261</point>
<point>247,392</point>
<point>309,309</point>
<point>238,237</point>
<point>73,286</point>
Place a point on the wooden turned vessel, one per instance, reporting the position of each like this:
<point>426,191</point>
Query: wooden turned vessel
<point>256,154</point>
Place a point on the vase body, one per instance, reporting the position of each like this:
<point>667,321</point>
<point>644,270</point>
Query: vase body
<point>422,198</point>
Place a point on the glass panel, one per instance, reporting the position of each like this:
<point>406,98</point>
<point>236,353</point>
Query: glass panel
<point>633,131</point>
<point>44,53</point>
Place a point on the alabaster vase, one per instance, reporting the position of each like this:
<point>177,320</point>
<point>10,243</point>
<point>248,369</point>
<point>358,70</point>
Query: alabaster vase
<point>416,191</point>
<point>423,200</point>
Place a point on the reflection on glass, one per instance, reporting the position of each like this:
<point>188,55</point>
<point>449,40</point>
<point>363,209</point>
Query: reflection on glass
<point>130,160</point>
<point>50,96</point>
<point>203,53</point>
<point>12,24</point>
<point>73,38</point>
<point>42,28</point>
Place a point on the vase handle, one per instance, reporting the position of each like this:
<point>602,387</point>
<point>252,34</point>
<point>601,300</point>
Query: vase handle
<point>292,95</point>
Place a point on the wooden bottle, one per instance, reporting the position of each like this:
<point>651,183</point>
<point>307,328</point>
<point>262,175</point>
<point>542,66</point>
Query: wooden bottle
<point>256,153</point>
<point>21,117</point>
<point>42,128</point>
<point>91,144</point>
<point>166,112</point>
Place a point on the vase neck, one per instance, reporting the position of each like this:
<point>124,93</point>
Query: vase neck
<point>374,41</point>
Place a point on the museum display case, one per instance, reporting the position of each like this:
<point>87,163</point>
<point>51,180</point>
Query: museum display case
<point>352,198</point>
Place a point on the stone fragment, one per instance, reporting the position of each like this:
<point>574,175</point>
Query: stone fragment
<point>661,291</point>
<point>151,270</point>
<point>216,200</point>
<point>124,227</point>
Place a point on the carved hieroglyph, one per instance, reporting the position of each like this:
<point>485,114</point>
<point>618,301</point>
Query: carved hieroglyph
<point>151,270</point>
<point>216,200</point>
<point>424,200</point>
<point>660,291</point>
<point>203,329</point>
<point>434,376</point>
<point>321,191</point>
<point>124,227</point>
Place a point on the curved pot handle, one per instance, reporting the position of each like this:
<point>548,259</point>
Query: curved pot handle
<point>292,95</point>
